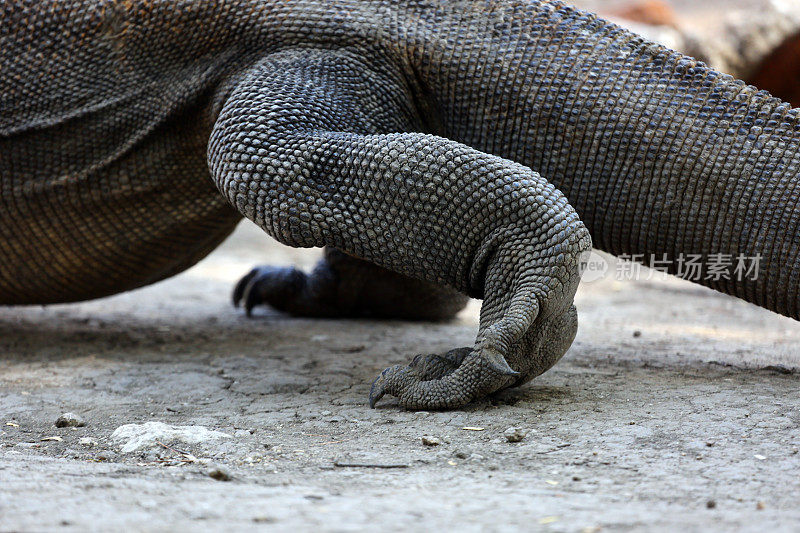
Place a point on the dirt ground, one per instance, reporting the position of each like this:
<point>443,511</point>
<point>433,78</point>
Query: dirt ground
<point>675,408</point>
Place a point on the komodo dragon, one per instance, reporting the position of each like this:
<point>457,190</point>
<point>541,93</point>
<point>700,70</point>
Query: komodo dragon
<point>431,145</point>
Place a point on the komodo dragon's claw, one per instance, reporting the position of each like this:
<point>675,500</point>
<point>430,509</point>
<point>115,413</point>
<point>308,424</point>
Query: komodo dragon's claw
<point>268,284</point>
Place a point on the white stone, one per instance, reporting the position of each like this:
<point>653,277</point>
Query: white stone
<point>142,436</point>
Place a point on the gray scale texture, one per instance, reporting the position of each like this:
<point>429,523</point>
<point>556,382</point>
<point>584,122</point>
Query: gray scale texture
<point>435,144</point>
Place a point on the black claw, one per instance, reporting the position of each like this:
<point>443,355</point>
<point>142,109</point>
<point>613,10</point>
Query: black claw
<point>498,363</point>
<point>251,297</point>
<point>375,396</point>
<point>238,291</point>
<point>376,392</point>
<point>268,285</point>
<point>378,388</point>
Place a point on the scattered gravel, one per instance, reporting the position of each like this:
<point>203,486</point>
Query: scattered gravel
<point>70,420</point>
<point>515,434</point>
<point>427,440</point>
<point>220,473</point>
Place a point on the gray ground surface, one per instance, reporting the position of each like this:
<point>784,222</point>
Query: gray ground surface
<point>627,432</point>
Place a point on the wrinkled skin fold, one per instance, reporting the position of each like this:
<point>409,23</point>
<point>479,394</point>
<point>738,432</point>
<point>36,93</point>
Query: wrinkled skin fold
<point>436,149</point>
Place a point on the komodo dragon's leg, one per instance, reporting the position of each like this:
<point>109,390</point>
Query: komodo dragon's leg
<point>306,146</point>
<point>344,286</point>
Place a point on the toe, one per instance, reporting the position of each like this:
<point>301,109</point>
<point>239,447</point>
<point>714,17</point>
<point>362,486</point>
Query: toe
<point>470,379</point>
<point>436,366</point>
<point>275,286</point>
<point>252,296</point>
<point>239,290</point>
<point>495,360</point>
<point>386,383</point>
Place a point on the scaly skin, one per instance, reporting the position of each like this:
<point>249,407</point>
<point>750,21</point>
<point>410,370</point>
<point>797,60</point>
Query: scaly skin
<point>432,141</point>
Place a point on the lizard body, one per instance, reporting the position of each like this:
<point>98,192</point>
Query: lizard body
<point>436,148</point>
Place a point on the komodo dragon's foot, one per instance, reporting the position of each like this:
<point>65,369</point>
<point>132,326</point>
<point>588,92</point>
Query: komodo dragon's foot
<point>270,285</point>
<point>441,381</point>
<point>319,148</point>
<point>343,286</point>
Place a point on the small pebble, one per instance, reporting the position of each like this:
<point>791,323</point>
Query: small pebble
<point>761,506</point>
<point>106,455</point>
<point>219,473</point>
<point>87,441</point>
<point>427,440</point>
<point>637,333</point>
<point>515,434</point>
<point>69,420</point>
<point>711,504</point>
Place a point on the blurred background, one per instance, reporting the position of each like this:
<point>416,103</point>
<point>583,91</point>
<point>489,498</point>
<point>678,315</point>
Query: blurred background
<point>755,40</point>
